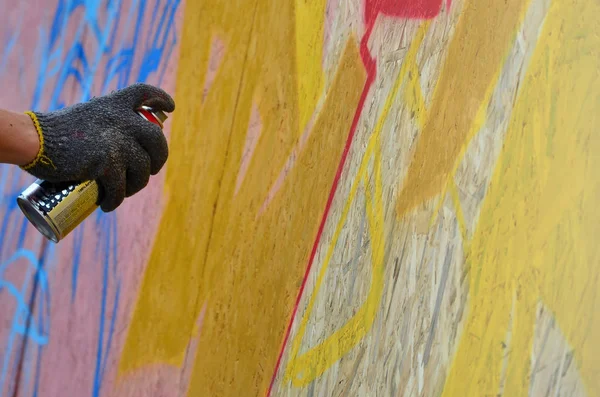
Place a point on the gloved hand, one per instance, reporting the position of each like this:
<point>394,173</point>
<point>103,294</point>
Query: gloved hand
<point>104,140</point>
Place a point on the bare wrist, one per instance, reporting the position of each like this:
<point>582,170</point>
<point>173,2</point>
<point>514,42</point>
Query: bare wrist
<point>19,139</point>
<point>30,141</point>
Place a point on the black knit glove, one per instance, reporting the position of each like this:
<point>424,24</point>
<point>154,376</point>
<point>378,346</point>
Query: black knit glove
<point>104,140</point>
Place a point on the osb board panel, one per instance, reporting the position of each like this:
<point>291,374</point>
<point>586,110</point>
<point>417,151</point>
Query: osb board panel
<point>363,198</point>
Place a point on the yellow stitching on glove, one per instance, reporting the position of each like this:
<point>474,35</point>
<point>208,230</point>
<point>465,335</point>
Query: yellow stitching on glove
<point>41,157</point>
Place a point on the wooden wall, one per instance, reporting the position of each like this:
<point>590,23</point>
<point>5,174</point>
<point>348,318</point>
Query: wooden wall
<point>363,198</point>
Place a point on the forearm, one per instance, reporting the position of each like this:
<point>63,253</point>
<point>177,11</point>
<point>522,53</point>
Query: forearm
<point>19,140</point>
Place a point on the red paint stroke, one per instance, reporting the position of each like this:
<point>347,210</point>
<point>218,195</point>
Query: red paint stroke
<point>412,9</point>
<point>409,9</point>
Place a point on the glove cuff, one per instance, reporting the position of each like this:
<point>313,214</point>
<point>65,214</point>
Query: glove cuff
<point>41,158</point>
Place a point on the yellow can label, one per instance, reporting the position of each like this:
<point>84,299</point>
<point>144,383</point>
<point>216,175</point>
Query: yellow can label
<point>75,207</point>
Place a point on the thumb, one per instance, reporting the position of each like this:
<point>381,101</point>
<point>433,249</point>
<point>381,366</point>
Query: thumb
<point>141,94</point>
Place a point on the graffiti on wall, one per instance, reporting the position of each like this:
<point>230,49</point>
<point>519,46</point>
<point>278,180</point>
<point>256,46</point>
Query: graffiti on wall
<point>357,201</point>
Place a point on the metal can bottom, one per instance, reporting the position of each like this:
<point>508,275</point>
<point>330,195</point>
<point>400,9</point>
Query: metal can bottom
<point>38,219</point>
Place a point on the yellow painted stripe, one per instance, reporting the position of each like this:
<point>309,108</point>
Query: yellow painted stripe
<point>306,367</point>
<point>536,238</point>
<point>480,43</point>
<point>166,308</point>
<point>247,268</point>
<point>310,26</point>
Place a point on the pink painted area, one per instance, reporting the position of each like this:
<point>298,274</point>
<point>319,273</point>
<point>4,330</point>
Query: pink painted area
<point>92,277</point>
<point>217,51</point>
<point>330,13</point>
<point>289,164</point>
<point>252,137</point>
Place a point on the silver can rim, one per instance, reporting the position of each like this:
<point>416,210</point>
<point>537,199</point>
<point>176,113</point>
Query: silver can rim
<point>39,220</point>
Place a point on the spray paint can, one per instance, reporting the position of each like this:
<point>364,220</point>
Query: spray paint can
<point>55,209</point>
